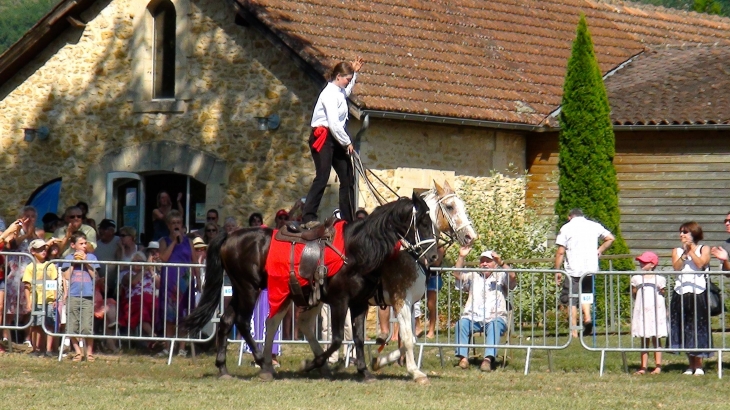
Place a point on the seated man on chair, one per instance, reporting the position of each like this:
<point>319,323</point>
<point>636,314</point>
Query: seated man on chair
<point>486,307</point>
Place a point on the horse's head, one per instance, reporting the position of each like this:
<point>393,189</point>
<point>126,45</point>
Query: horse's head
<point>422,237</point>
<point>448,213</point>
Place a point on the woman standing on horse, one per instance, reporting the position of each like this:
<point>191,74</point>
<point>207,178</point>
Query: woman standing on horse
<point>329,143</point>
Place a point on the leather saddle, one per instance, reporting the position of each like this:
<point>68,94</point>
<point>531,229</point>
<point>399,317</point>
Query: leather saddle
<point>315,238</point>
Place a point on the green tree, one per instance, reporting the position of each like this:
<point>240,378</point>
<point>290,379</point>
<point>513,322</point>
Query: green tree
<point>707,6</point>
<point>587,146</point>
<point>17,17</point>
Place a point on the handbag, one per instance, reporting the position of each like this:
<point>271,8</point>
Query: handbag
<point>715,299</point>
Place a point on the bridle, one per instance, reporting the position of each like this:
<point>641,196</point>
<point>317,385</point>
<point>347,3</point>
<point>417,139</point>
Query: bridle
<point>416,249</point>
<point>449,238</point>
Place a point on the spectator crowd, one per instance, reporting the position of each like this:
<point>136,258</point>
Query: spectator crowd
<point>84,278</point>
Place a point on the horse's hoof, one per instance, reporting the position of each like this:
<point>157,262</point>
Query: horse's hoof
<point>423,381</point>
<point>303,365</point>
<point>375,364</point>
<point>225,377</point>
<point>266,377</point>
<point>325,372</point>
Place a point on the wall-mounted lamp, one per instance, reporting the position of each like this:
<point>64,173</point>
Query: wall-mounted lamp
<point>271,122</point>
<point>29,134</point>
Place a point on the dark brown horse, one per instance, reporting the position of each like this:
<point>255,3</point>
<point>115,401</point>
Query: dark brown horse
<point>368,244</point>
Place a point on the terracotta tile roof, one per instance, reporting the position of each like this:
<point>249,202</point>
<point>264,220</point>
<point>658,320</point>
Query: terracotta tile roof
<point>672,86</point>
<point>500,60</point>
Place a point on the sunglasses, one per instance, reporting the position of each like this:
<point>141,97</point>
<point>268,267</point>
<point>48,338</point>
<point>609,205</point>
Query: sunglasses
<point>74,217</point>
<point>212,218</point>
<point>727,221</point>
<point>282,217</point>
<point>211,230</point>
<point>684,232</point>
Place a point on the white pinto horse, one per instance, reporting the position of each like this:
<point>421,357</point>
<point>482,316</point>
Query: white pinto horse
<point>448,214</point>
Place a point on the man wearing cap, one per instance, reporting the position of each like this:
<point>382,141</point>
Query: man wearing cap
<point>106,247</point>
<point>578,246</point>
<point>722,253</point>
<point>107,243</point>
<point>486,307</point>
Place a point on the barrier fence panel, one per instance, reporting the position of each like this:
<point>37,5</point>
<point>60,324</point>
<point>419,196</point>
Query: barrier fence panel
<point>529,309</point>
<point>129,301</point>
<point>15,315</point>
<point>671,305</point>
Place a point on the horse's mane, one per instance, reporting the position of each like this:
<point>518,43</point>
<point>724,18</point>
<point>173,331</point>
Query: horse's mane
<point>371,241</point>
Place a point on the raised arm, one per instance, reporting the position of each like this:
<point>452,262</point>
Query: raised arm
<point>461,260</point>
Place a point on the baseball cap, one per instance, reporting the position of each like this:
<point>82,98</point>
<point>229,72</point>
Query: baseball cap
<point>107,223</point>
<point>37,243</point>
<point>199,243</point>
<point>281,212</point>
<point>486,254</point>
<point>153,245</point>
<point>648,257</point>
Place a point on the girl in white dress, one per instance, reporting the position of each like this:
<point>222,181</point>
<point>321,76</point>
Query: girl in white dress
<point>649,317</point>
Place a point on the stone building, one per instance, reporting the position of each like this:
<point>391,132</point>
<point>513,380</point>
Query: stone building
<point>140,96</point>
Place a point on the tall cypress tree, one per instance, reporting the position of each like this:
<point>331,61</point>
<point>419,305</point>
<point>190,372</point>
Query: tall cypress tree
<point>587,145</point>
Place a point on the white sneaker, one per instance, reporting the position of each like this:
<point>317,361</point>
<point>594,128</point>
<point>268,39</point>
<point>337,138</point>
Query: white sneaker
<point>182,353</point>
<point>699,372</point>
<point>27,343</point>
<point>688,372</point>
<point>163,353</point>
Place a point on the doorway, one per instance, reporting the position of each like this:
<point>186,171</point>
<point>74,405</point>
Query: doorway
<point>131,197</point>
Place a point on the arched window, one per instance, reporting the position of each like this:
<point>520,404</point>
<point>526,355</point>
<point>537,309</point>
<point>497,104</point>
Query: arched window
<point>164,50</point>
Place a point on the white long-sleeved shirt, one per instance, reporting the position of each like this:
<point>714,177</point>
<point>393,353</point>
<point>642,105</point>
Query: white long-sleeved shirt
<point>331,110</point>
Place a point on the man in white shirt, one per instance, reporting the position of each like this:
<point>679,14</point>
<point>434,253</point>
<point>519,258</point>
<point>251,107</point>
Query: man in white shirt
<point>486,307</point>
<point>578,246</point>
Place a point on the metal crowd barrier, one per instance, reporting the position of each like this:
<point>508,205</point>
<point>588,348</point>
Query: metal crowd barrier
<point>533,310</point>
<point>122,300</point>
<point>14,312</point>
<point>621,329</point>
<point>532,314</point>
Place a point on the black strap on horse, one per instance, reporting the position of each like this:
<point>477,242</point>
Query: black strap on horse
<point>297,294</point>
<point>363,172</point>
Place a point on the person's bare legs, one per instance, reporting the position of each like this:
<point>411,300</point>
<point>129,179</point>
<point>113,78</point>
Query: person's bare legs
<point>586,307</point>
<point>384,320</point>
<point>657,356</point>
<point>573,319</point>
<point>431,305</point>
<point>89,344</point>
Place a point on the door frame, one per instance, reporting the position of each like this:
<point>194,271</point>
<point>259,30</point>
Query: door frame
<point>111,195</point>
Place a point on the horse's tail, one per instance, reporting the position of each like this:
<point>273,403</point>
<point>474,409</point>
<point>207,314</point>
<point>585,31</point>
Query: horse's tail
<point>211,297</point>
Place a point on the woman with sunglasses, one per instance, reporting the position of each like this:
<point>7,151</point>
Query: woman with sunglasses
<point>689,313</point>
<point>211,231</point>
<point>127,244</point>
<point>329,143</point>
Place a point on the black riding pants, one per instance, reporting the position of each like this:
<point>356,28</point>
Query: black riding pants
<point>332,155</point>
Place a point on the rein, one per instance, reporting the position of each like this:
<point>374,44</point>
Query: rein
<point>414,249</point>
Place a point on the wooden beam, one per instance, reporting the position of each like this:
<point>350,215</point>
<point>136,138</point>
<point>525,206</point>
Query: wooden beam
<point>75,22</point>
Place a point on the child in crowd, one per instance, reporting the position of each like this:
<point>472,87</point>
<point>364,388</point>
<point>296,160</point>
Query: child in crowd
<point>44,275</point>
<point>649,317</point>
<point>79,283</point>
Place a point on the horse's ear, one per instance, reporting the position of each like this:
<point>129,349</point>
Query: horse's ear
<point>448,187</point>
<point>439,190</point>
<point>417,201</point>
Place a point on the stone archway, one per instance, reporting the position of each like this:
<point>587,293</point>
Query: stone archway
<point>160,156</point>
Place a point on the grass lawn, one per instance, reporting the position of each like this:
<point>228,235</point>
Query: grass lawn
<point>139,381</point>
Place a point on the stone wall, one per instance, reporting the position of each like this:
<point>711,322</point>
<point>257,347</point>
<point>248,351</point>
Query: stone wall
<point>82,89</point>
<point>408,155</point>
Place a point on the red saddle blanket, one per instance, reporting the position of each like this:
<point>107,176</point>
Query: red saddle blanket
<point>278,264</point>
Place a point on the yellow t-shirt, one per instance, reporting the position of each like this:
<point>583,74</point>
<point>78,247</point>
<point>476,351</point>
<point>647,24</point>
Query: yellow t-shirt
<point>51,277</point>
